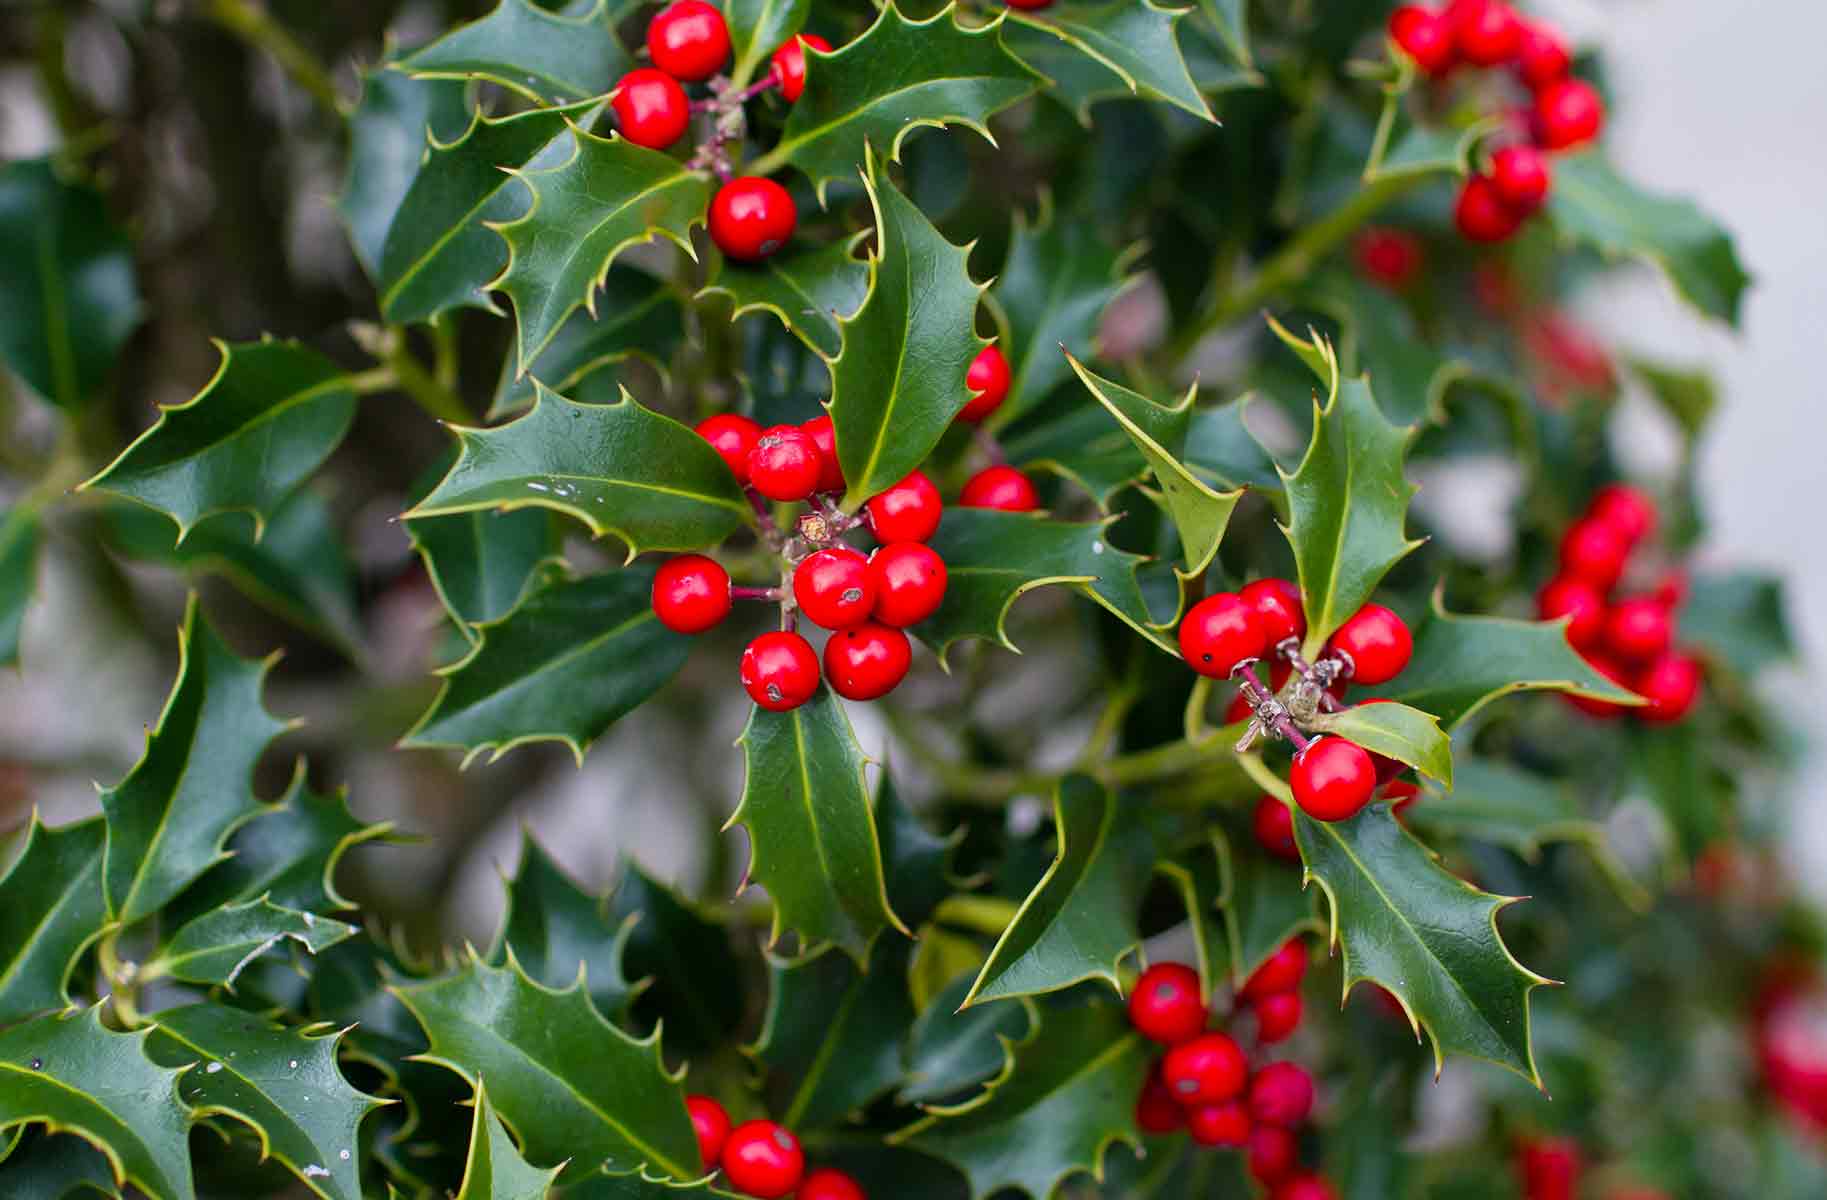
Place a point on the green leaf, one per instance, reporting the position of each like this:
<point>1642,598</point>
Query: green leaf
<point>1159,432</point>
<point>441,252</point>
<point>682,959</point>
<point>193,787</point>
<point>1231,19</point>
<point>1200,878</point>
<point>918,863</point>
<point>495,1170</point>
<point>20,532</point>
<point>1382,341</point>
<point>1461,664</point>
<point>609,195</point>
<point>619,468</point>
<point>812,837</point>
<point>74,1075</point>
<point>68,296</point>
<point>549,57</point>
<point>757,29</point>
<point>898,76</point>
<point>573,1086</point>
<point>898,383</point>
<point>1495,802</point>
<point>951,1049</point>
<point>1265,904</point>
<point>1221,450</point>
<point>480,562</point>
<point>813,291</point>
<point>1132,39</point>
<point>1428,937</point>
<point>51,907</point>
<point>282,1083</point>
<point>387,134</point>
<point>55,1167</point>
<point>1082,919</point>
<point>1400,148</point>
<point>638,315</point>
<point>1073,438</point>
<point>1396,731</point>
<point>1739,620</point>
<point>559,933</point>
<point>269,418</point>
<point>214,948</point>
<point>1689,396</point>
<point>1592,203</point>
<point>574,657</point>
<point>1068,1094</point>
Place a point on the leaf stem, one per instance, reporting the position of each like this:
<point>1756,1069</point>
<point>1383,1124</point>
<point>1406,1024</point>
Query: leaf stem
<point>122,977</point>
<point>255,26</point>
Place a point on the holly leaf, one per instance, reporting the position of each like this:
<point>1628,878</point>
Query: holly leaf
<point>20,533</point>
<point>1461,664</point>
<point>51,907</point>
<point>282,1083</point>
<point>898,76</point>
<point>215,948</point>
<point>480,562</point>
<point>1265,904</point>
<point>1066,1097</point>
<point>54,1167</point>
<point>549,57</point>
<point>951,1049</point>
<point>1504,805</point>
<point>560,933</point>
<point>1132,41</point>
<point>1396,731</point>
<point>638,316</point>
<point>619,468</point>
<point>1231,20</point>
<point>576,1089</point>
<point>193,786</point>
<point>917,862</point>
<point>268,419</point>
<point>1159,432</point>
<point>681,958</point>
<point>574,657</point>
<point>813,291</point>
<point>1427,936</point>
<point>1073,438</point>
<point>608,195</point>
<point>812,837</point>
<point>757,29</point>
<point>495,1170</point>
<point>68,296</point>
<point>1402,147</point>
<point>72,1074</point>
<point>897,384</point>
<point>1381,341</point>
<point>1738,619</point>
<point>1221,450</point>
<point>387,135</point>
<point>1593,204</point>
<point>1081,920</point>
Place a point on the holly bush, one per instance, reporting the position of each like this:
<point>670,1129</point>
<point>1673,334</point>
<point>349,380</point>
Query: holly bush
<point>805,317</point>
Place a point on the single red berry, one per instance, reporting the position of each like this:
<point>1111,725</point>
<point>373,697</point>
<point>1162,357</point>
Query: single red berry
<point>1592,550</point>
<point>867,662</point>
<point>999,487</point>
<point>779,670</point>
<point>1273,1154</point>
<point>1400,793</point>
<point>907,512</point>
<point>1274,825</point>
<point>790,64</point>
<point>1377,642</point>
<point>828,1184</point>
<point>1541,55</point>
<point>688,40</point>
<point>1282,971</point>
<point>731,436</point>
<point>1277,1017</point>
<point>1425,36</point>
<point>833,587</point>
<point>763,1159</point>
<point>1332,779</point>
<point>1603,709</point>
<point>1522,177</point>
<point>830,474</point>
<point>1219,632</point>
<point>1305,1186</point>
<point>751,217</point>
<point>785,463</point>
<point>909,583</point>
<point>711,1124</point>
<point>1028,4</point>
<point>1281,1094</point>
<point>1390,257</point>
<point>1206,1070</point>
<point>1579,601</point>
<point>1638,629</point>
<point>1567,114</point>
<point>691,593</point>
<point>1165,1006</point>
<point>650,108</point>
<point>1671,684</point>
<point>1226,1124</point>
<point>1485,32</point>
<point>1625,509</point>
<point>1156,1109</point>
<point>1671,590</point>
<point>1277,605</point>
<point>988,381</point>
<point>1550,1168</point>
<point>1480,213</point>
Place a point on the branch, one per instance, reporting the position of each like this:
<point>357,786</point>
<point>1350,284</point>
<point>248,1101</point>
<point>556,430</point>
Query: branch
<point>255,26</point>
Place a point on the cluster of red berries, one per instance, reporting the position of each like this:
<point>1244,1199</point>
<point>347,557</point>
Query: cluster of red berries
<point>1628,640</point>
<point>1564,112</point>
<point>1204,1083</point>
<point>763,1158</point>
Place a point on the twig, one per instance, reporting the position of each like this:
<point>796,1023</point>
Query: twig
<point>255,26</point>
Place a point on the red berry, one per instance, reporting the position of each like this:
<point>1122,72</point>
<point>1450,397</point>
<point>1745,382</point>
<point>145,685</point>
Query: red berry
<point>1274,825</point>
<point>830,474</point>
<point>907,512</point>
<point>763,1159</point>
<point>1206,1070</point>
<point>1277,1017</point>
<point>1603,709</point>
<point>1028,4</point>
<point>779,671</point>
<point>1550,1168</point>
<point>732,437</point>
<point>867,662</point>
<point>1521,176</point>
<point>1305,1186</point>
<point>1219,632</point>
<point>691,593</point>
<point>999,487</point>
<point>1638,629</point>
<point>650,108</point>
<point>1541,55</point>
<point>751,217</point>
<point>785,463</point>
<point>1480,213</point>
<point>790,64</point>
<point>1671,684</point>
<point>688,40</point>
<point>1165,1006</point>
<point>833,587</point>
<point>1226,1124</point>
<point>1377,642</point>
<point>828,1184</point>
<point>1390,257</point>
<point>711,1124</point>
<point>1282,971</point>
<point>988,380</point>
<point>1273,1154</point>
<point>1567,114</point>
<point>909,583</point>
<point>1156,1109</point>
<point>1425,36</point>
<point>1277,605</point>
<point>1625,509</point>
<point>1579,601</point>
<point>1400,793</point>
<point>1592,550</point>
<point>1332,779</point>
<point>1281,1094</point>
<point>1671,590</point>
<point>1486,32</point>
